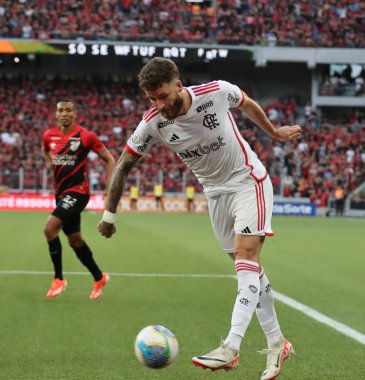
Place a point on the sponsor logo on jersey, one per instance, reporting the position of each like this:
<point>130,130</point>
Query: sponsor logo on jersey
<point>67,159</point>
<point>210,121</point>
<point>233,99</point>
<point>143,147</point>
<point>203,107</point>
<point>200,150</point>
<point>163,124</point>
<point>174,137</point>
<point>53,145</point>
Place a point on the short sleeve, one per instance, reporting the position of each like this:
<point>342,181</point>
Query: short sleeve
<point>233,95</point>
<point>141,140</point>
<point>93,142</point>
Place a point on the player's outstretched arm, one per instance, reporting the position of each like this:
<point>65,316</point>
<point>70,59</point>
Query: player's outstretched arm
<point>125,163</point>
<point>256,114</point>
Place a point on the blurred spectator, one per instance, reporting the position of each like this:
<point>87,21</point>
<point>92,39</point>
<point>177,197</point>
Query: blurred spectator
<point>339,196</point>
<point>158,193</point>
<point>320,23</point>
<point>133,197</point>
<point>329,150</point>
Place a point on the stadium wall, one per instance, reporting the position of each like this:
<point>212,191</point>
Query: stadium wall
<point>176,204</point>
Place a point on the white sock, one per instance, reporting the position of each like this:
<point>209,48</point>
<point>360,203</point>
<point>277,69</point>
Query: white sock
<point>246,301</point>
<point>266,314</point>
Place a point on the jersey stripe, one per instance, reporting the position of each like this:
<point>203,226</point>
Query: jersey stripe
<point>239,139</point>
<point>195,88</point>
<point>243,266</point>
<point>129,150</point>
<point>58,169</point>
<point>67,176</point>
<point>150,114</point>
<point>243,98</point>
<point>261,206</point>
<point>205,89</point>
<point>152,108</point>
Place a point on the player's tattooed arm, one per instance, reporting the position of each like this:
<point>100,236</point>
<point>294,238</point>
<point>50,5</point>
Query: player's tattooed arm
<point>118,180</point>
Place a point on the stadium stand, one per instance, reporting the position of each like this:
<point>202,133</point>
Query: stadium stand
<point>330,151</point>
<point>309,23</point>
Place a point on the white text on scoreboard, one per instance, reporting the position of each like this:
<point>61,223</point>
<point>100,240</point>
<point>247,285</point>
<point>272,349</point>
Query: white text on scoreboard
<point>148,51</point>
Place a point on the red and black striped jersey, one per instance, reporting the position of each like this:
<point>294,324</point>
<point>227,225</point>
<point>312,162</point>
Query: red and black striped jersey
<point>69,157</point>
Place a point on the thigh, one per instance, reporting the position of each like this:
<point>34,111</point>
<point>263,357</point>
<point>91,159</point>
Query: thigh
<point>222,220</point>
<point>252,208</point>
<point>248,247</point>
<point>69,208</point>
<point>53,225</point>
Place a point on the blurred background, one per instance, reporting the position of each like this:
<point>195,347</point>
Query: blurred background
<point>304,62</point>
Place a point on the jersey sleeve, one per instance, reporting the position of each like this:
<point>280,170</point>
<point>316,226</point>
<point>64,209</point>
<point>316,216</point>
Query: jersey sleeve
<point>233,95</point>
<point>93,142</point>
<point>141,140</point>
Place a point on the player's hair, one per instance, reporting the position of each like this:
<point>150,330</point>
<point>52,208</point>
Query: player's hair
<point>157,72</point>
<point>67,100</point>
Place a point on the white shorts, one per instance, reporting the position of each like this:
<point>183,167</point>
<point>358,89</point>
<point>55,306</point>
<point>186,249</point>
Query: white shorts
<point>246,212</point>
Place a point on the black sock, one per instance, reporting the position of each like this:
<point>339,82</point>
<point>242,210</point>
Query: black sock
<point>55,251</point>
<point>86,257</point>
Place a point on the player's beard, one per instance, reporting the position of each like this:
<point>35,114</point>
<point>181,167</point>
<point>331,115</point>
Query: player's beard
<point>172,112</point>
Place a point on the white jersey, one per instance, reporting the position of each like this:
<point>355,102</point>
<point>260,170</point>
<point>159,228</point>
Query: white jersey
<point>206,139</point>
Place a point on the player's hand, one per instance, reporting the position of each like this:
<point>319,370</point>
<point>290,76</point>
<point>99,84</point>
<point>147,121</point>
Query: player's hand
<point>107,229</point>
<point>288,132</point>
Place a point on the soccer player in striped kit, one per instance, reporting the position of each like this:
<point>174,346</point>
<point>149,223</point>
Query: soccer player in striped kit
<point>65,148</point>
<point>196,123</point>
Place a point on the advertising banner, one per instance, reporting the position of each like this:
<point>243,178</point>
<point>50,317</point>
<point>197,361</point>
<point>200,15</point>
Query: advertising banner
<point>37,202</point>
<point>294,209</point>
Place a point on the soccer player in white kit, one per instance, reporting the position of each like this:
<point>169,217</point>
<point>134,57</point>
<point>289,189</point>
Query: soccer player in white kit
<point>196,123</point>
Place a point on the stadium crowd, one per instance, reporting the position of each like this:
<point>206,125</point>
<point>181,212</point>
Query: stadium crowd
<point>311,23</point>
<point>329,153</point>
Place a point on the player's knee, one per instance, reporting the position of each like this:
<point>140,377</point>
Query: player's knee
<point>75,241</point>
<point>248,247</point>
<point>49,232</point>
<point>246,254</point>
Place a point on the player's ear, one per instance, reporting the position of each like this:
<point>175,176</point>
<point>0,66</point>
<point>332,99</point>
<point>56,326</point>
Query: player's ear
<point>179,85</point>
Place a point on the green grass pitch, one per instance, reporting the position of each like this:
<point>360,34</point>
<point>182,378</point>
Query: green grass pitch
<point>316,261</point>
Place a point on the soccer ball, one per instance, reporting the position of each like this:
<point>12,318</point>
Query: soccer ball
<point>156,346</point>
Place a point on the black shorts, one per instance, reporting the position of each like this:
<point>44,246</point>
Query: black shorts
<point>68,209</point>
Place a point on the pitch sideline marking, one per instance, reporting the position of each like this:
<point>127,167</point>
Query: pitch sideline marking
<point>306,310</point>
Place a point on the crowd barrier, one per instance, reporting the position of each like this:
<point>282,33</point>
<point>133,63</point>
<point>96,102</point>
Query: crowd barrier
<point>38,202</point>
